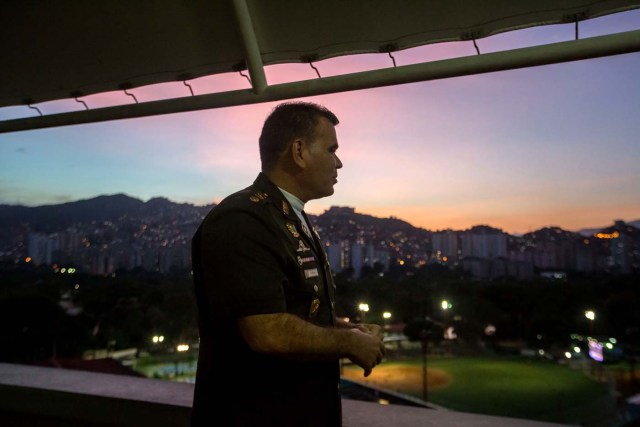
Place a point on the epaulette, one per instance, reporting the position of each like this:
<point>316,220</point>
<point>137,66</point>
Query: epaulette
<point>258,196</point>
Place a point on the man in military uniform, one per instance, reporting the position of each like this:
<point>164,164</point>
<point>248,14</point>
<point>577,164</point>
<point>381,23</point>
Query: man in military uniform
<point>270,342</point>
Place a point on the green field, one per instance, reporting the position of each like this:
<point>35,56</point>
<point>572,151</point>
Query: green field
<point>174,367</point>
<point>513,387</point>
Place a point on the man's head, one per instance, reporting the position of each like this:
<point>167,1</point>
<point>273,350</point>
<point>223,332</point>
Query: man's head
<point>297,149</point>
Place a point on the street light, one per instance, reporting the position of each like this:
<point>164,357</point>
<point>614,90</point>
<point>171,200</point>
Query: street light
<point>385,318</point>
<point>591,316</point>
<point>363,307</point>
<point>446,306</point>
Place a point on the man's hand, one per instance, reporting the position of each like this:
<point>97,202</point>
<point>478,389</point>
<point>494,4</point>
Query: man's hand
<point>367,350</point>
<point>367,328</point>
<point>288,336</point>
<point>371,329</point>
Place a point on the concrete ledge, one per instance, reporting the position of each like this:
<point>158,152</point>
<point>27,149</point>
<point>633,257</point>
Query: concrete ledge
<point>38,396</point>
<point>86,398</point>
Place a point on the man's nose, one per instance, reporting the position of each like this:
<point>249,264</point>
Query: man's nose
<point>338,162</point>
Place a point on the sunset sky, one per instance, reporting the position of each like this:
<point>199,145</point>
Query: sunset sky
<point>518,150</point>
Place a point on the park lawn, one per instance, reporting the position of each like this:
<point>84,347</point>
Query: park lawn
<point>175,366</point>
<point>532,389</point>
<point>512,387</point>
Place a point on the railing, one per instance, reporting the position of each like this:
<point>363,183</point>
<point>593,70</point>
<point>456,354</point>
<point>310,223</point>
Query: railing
<point>52,397</point>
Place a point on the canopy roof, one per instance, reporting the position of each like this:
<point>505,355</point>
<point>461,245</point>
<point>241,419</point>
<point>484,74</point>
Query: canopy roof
<point>69,49</point>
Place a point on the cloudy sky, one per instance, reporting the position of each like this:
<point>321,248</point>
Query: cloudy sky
<point>518,150</point>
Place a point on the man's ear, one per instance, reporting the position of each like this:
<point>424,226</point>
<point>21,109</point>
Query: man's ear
<point>297,153</point>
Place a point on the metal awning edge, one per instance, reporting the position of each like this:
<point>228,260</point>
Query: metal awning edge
<point>595,47</point>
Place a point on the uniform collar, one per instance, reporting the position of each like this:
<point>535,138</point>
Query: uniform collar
<point>296,204</point>
<point>262,183</point>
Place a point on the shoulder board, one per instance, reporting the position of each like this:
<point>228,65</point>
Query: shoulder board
<point>258,196</point>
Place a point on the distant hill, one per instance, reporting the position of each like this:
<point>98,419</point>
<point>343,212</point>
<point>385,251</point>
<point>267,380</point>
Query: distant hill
<point>49,218</point>
<point>594,230</point>
<point>337,221</point>
<point>345,223</point>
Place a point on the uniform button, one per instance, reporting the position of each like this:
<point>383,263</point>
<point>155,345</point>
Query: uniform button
<point>315,288</point>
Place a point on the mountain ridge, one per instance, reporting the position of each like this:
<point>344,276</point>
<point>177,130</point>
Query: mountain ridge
<point>100,208</point>
<point>114,206</point>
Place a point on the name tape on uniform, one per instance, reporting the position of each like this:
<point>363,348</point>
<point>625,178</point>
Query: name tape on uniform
<point>312,272</point>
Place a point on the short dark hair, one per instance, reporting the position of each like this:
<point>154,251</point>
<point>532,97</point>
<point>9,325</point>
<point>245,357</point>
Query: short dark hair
<point>287,122</point>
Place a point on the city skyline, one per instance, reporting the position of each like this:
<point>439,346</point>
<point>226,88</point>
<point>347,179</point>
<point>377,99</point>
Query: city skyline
<point>112,234</point>
<point>517,150</point>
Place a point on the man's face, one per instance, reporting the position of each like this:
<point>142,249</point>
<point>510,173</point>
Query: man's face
<point>323,163</point>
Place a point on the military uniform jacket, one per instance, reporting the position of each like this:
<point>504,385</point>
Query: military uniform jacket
<point>251,256</point>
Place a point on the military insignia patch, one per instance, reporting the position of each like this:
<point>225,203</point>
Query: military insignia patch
<point>292,229</point>
<point>315,305</point>
<point>302,247</point>
<point>257,196</point>
<point>303,260</point>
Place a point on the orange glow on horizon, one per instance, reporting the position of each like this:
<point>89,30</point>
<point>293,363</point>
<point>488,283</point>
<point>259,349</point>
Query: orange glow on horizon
<point>434,218</point>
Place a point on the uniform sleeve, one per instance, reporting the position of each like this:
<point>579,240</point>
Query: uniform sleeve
<point>242,266</point>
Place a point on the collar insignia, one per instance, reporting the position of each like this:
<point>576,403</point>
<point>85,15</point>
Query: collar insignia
<point>285,208</point>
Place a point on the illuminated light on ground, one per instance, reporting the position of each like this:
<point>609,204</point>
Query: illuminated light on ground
<point>450,333</point>
<point>386,315</point>
<point>567,355</point>
<point>595,351</point>
<point>182,347</point>
<point>490,330</point>
<point>576,349</point>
